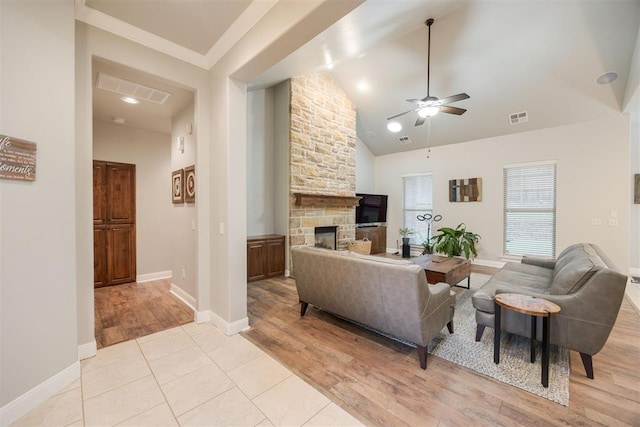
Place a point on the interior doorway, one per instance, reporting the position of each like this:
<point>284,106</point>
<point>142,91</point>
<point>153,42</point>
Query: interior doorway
<point>143,131</point>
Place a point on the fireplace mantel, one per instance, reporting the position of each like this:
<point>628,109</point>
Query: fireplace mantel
<point>304,199</point>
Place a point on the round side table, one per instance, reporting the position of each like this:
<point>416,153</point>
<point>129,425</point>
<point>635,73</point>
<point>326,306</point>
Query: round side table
<point>534,307</point>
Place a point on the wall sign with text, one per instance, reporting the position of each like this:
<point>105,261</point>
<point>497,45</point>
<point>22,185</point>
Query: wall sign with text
<point>17,159</point>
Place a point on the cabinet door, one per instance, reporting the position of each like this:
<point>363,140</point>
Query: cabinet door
<point>256,260</point>
<point>121,185</point>
<point>99,256</point>
<point>99,192</point>
<point>275,257</point>
<point>121,255</point>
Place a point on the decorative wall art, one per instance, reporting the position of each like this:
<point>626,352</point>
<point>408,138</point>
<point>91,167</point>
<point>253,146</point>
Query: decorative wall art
<point>17,159</point>
<point>190,184</point>
<point>177,187</point>
<point>465,190</point>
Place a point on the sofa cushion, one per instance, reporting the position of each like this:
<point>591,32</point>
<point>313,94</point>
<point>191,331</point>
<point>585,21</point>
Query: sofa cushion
<point>513,277</point>
<point>380,259</point>
<point>576,269</point>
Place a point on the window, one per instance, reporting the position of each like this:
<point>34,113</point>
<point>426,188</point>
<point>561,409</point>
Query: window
<point>418,200</point>
<point>530,209</point>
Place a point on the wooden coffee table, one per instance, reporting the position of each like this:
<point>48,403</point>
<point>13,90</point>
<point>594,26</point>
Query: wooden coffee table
<point>448,270</point>
<point>535,307</point>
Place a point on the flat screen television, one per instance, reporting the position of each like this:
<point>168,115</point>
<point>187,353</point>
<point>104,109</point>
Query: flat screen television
<point>372,208</point>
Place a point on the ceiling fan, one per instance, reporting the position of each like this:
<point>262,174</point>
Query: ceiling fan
<point>430,105</point>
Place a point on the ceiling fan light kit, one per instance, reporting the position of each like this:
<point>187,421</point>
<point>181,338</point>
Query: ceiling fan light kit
<point>429,106</point>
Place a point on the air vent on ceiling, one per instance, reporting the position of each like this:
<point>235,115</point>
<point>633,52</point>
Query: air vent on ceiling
<point>404,140</point>
<point>127,88</point>
<point>516,118</point>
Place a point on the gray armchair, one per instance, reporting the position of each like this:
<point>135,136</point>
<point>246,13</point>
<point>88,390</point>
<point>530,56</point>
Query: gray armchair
<point>582,281</point>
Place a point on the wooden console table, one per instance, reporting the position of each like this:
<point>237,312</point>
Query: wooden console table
<point>377,235</point>
<point>534,307</point>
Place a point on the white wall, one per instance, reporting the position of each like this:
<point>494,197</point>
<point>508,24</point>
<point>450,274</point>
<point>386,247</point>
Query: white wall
<point>592,181</point>
<point>260,163</point>
<point>150,152</point>
<point>634,226</point>
<point>183,215</point>
<point>365,168</point>
<point>38,316</point>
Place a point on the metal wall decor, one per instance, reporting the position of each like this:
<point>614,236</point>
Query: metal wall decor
<point>190,184</point>
<point>177,187</point>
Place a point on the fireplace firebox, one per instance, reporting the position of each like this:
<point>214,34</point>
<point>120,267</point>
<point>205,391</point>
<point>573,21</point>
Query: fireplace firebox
<point>326,237</point>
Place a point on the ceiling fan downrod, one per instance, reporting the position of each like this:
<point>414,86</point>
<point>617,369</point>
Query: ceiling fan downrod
<point>428,22</point>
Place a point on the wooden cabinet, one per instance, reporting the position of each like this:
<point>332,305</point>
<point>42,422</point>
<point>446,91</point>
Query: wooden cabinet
<point>377,235</point>
<point>265,257</point>
<point>114,223</point>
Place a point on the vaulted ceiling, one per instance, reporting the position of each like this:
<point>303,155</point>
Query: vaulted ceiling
<point>538,57</point>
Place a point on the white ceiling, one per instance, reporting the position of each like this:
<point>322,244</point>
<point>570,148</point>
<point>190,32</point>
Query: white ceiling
<point>510,56</point>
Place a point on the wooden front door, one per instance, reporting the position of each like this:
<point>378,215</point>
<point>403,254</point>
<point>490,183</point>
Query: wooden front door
<point>114,223</point>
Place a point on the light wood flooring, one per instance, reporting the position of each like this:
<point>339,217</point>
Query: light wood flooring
<point>132,310</point>
<point>380,382</point>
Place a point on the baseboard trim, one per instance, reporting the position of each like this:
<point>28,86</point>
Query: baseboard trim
<point>87,350</point>
<point>634,271</point>
<point>19,407</point>
<point>183,296</point>
<point>141,278</point>
<point>488,263</point>
<point>202,316</point>
<point>226,327</point>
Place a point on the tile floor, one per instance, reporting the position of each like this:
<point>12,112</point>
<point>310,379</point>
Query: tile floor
<point>192,375</point>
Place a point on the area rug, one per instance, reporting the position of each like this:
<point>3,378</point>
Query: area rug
<point>514,368</point>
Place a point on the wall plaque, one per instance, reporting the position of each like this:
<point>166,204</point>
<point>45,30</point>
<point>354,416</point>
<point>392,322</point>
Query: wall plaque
<point>17,159</point>
<point>465,190</point>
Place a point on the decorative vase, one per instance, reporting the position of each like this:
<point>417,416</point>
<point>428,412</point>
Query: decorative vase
<point>406,249</point>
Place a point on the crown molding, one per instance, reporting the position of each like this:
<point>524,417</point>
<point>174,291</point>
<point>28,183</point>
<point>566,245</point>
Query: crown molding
<point>125,30</point>
<point>241,26</point>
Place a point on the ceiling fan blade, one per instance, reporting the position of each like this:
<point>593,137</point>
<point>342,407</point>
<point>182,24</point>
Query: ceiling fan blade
<point>452,110</point>
<point>420,120</point>
<point>401,114</point>
<point>452,98</point>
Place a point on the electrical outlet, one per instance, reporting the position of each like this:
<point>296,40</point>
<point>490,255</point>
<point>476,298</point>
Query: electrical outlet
<point>613,221</point>
<point>184,274</point>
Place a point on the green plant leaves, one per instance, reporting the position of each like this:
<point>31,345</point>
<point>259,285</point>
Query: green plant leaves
<point>456,241</point>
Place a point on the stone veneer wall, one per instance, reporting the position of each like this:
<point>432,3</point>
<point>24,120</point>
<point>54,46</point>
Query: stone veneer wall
<point>322,158</point>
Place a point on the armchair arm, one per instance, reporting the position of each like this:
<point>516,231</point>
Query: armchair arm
<point>549,263</point>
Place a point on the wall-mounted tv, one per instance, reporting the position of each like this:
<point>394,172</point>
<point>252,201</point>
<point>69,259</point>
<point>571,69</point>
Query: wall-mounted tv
<point>372,208</point>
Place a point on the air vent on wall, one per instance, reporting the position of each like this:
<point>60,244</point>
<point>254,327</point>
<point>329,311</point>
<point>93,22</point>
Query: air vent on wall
<point>404,140</point>
<point>518,118</point>
<point>127,88</point>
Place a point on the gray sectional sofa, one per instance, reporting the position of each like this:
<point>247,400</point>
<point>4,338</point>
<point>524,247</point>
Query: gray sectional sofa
<point>582,281</point>
<point>391,296</point>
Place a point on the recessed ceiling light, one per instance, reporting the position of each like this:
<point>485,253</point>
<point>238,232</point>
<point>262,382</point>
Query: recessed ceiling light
<point>394,127</point>
<point>130,100</point>
<point>607,78</point>
<point>363,86</point>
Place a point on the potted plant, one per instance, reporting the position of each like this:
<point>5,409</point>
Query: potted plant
<point>406,249</point>
<point>456,241</point>
<point>427,247</point>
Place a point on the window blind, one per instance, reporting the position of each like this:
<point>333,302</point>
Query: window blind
<point>418,200</point>
<point>530,209</point>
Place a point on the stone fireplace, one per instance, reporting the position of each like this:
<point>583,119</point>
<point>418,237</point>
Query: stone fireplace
<point>326,237</point>
<point>322,160</point>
